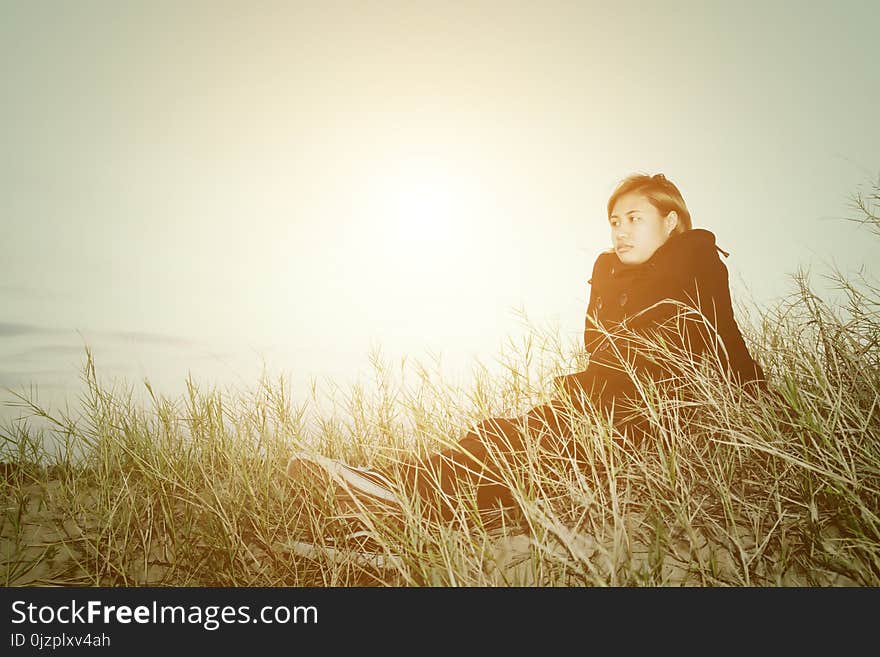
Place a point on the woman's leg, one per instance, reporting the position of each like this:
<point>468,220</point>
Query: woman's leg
<point>480,458</point>
<point>440,479</point>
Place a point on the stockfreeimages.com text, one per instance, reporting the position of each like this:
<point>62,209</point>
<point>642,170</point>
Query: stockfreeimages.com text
<point>211,617</point>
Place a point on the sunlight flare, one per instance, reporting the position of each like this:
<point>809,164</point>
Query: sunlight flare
<point>422,211</point>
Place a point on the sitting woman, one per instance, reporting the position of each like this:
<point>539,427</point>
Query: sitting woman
<point>662,283</point>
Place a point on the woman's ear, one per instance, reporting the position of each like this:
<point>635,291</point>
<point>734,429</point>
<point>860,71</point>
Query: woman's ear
<point>670,221</point>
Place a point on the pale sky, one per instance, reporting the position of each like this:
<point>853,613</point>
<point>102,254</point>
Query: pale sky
<point>205,187</point>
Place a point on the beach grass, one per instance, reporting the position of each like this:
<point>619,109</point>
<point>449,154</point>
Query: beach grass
<point>737,488</point>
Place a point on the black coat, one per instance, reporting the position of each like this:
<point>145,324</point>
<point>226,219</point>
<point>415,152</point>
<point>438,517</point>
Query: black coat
<point>680,297</point>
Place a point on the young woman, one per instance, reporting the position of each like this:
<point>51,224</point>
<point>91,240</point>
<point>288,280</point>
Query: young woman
<point>662,283</point>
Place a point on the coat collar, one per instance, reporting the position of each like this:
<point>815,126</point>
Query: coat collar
<point>696,238</point>
<point>676,246</point>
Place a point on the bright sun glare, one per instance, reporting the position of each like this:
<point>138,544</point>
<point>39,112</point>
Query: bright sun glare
<point>422,211</point>
<point>418,209</point>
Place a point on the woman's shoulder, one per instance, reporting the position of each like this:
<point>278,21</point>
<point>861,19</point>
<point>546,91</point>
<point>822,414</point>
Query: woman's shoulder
<point>695,240</point>
<point>692,248</point>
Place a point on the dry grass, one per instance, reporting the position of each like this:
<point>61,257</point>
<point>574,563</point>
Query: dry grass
<point>734,491</point>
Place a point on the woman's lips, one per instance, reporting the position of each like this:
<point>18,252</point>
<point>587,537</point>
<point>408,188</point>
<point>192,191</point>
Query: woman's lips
<point>625,247</point>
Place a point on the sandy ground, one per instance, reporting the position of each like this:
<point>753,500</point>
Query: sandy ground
<point>40,547</point>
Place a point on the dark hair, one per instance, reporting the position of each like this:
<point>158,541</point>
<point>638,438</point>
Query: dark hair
<point>660,192</point>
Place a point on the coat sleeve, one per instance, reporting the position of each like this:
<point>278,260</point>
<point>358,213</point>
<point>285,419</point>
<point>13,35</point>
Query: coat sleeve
<point>600,384</point>
<point>599,272</point>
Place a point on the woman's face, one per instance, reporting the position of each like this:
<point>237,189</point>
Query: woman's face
<point>638,229</point>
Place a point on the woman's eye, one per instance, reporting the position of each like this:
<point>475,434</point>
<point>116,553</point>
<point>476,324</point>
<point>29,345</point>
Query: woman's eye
<point>636,218</point>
